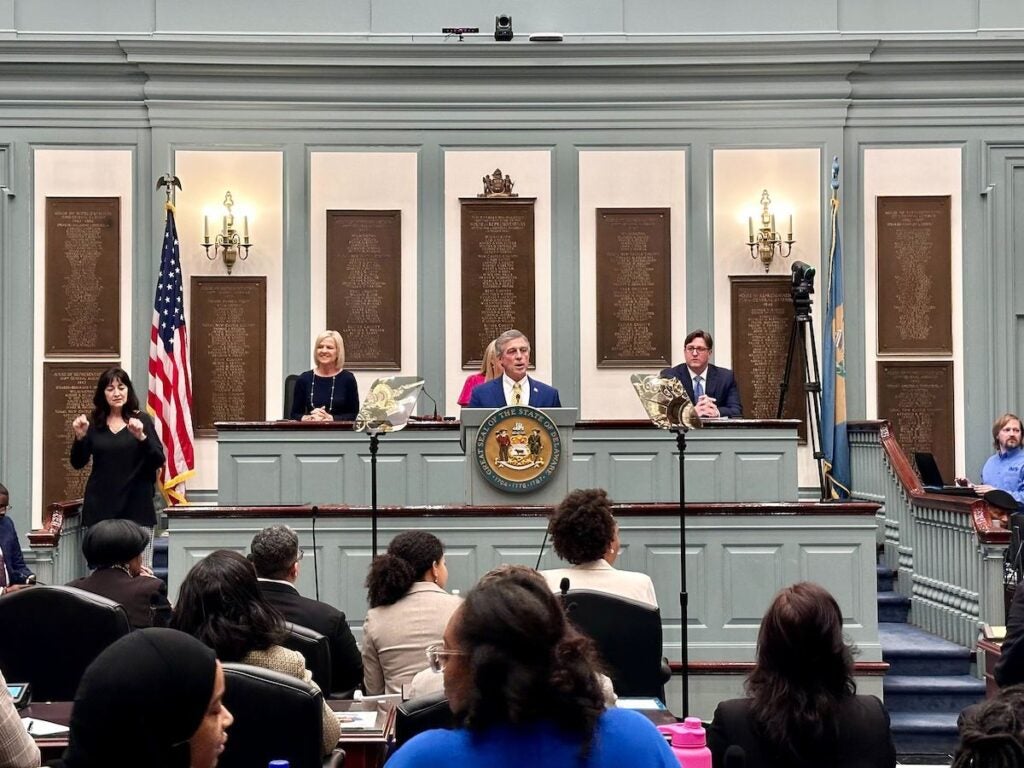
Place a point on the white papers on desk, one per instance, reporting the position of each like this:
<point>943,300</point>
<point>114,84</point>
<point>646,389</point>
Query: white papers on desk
<point>357,721</point>
<point>42,728</point>
<point>639,702</point>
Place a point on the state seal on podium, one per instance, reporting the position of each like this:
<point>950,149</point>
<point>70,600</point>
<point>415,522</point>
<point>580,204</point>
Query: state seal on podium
<point>518,449</point>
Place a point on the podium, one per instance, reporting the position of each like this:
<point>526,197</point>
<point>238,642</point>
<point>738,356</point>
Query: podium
<point>480,491</point>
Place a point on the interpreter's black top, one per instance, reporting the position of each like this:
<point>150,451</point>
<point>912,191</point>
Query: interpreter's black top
<point>339,394</point>
<point>123,474</point>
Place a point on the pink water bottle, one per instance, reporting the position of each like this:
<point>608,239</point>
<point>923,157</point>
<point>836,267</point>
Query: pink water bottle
<point>689,743</point>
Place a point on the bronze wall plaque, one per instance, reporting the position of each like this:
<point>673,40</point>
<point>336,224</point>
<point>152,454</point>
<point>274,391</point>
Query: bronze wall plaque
<point>634,289</point>
<point>917,397</point>
<point>83,276</point>
<point>498,283</point>
<point>228,336</point>
<point>762,321</point>
<point>915,310</point>
<point>364,286</point>
<point>68,389</point>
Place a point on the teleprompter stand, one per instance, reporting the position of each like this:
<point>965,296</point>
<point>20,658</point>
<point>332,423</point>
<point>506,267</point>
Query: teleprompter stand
<point>669,408</point>
<point>387,408</point>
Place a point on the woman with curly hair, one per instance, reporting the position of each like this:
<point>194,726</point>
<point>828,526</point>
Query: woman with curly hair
<point>584,532</point>
<point>992,733</point>
<point>409,610</point>
<point>802,708</point>
<point>521,682</point>
<point>220,603</point>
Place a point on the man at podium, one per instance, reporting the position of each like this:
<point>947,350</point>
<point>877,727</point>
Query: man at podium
<point>514,387</point>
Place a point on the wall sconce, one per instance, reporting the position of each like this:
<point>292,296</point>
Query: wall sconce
<point>765,243</point>
<point>227,243</point>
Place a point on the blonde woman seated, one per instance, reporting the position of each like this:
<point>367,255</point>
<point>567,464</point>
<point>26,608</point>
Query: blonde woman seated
<point>220,603</point>
<point>328,392</point>
<point>490,368</point>
<point>584,532</point>
<point>409,610</point>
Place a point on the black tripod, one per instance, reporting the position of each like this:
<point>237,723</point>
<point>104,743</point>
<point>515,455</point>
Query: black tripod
<point>684,598</point>
<point>802,333</point>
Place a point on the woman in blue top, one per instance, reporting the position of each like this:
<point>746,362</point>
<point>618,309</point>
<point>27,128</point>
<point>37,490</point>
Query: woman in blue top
<point>521,681</point>
<point>328,392</point>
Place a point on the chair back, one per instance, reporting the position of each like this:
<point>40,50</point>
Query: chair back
<point>277,717</point>
<point>289,393</point>
<point>51,634</point>
<point>628,637</point>
<point>421,714</point>
<point>315,649</point>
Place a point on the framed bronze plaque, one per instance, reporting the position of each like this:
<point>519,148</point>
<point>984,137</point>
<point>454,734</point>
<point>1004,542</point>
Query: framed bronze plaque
<point>917,397</point>
<point>68,389</point>
<point>914,276</point>
<point>762,322</point>
<point>634,289</point>
<point>83,276</point>
<point>364,286</point>
<point>498,281</point>
<point>228,337</point>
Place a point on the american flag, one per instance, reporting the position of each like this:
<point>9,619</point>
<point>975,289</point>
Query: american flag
<point>170,382</point>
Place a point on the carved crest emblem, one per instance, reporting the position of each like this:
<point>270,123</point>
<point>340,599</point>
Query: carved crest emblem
<point>518,448</point>
<point>496,185</point>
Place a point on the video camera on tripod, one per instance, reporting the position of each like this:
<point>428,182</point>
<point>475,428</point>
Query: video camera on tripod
<point>801,288</point>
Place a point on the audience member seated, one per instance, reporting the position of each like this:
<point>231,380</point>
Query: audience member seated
<point>1010,667</point>
<point>584,532</point>
<point>220,603</point>
<point>490,368</point>
<point>17,749</point>
<point>409,610</point>
<point>802,708</point>
<point>992,733</point>
<point>114,548</point>
<point>521,682</point>
<point>154,698</point>
<point>14,573</point>
<point>276,555</point>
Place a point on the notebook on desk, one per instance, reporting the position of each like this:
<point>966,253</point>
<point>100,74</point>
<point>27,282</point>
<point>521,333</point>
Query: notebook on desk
<point>931,477</point>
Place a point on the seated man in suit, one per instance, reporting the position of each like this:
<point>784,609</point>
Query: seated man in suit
<point>275,553</point>
<point>514,387</point>
<point>711,389</point>
<point>14,573</point>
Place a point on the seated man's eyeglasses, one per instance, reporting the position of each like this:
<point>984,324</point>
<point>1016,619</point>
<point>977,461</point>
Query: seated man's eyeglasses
<point>692,350</point>
<point>436,655</point>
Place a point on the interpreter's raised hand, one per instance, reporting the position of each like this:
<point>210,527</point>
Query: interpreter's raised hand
<point>80,425</point>
<point>135,427</point>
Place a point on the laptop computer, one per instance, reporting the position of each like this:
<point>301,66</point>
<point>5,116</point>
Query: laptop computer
<point>931,477</point>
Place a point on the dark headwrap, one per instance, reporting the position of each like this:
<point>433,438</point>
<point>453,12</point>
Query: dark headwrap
<point>140,702</point>
<point>113,542</point>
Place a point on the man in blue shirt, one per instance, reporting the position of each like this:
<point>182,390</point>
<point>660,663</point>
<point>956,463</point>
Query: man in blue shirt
<point>13,571</point>
<point>1004,469</point>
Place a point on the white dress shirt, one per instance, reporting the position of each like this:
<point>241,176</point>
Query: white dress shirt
<point>524,387</point>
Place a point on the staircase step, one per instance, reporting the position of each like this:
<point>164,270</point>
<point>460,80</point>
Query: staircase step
<point>893,608</point>
<point>920,694</point>
<point>912,651</point>
<point>932,733</point>
<point>885,578</point>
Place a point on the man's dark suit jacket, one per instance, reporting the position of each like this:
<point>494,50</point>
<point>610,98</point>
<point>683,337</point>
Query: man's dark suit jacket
<point>1010,667</point>
<point>11,548</point>
<point>346,660</point>
<point>144,598</point>
<point>864,737</point>
<point>719,383</point>
<point>491,394</point>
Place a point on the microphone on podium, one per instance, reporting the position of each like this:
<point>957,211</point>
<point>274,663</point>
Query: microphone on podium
<point>563,586</point>
<point>423,391</point>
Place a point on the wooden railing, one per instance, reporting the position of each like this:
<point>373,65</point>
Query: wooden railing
<point>58,544</point>
<point>947,551</point>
